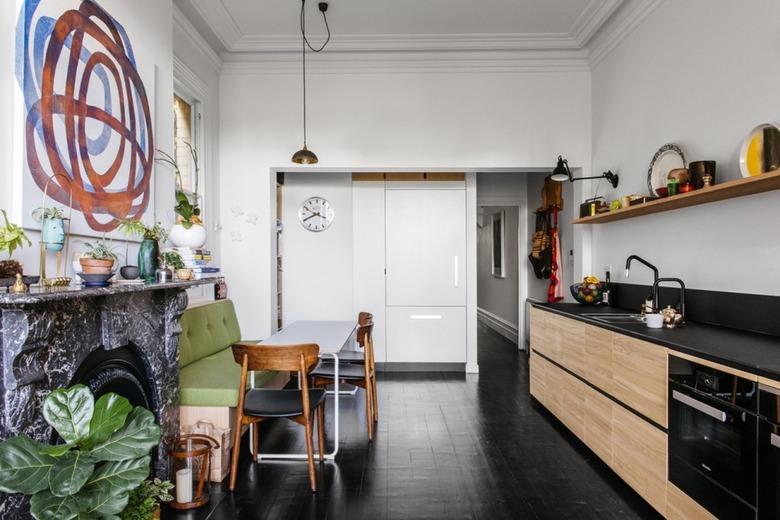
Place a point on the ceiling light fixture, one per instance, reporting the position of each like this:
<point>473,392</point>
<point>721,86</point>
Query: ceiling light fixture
<point>304,155</point>
<point>562,173</point>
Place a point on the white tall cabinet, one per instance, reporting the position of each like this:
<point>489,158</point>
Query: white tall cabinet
<point>425,280</point>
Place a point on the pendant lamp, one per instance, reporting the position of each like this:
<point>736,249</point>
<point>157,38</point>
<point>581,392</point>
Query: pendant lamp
<point>304,155</point>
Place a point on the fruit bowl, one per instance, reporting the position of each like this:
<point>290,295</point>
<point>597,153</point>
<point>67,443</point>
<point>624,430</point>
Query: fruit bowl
<point>587,293</point>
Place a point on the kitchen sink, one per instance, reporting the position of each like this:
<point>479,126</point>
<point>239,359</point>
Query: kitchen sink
<point>614,317</point>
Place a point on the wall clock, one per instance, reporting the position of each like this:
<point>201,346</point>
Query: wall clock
<point>316,214</point>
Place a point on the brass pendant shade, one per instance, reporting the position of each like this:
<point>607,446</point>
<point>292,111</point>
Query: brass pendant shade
<point>304,156</point>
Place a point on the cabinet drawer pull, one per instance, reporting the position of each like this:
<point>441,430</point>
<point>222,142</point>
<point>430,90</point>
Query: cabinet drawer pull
<point>774,440</point>
<point>698,405</point>
<point>425,316</point>
<point>455,271</point>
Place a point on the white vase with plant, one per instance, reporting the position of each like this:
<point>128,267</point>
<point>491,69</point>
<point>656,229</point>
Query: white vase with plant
<point>189,230</point>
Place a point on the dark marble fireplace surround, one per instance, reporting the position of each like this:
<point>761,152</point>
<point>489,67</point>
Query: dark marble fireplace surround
<point>46,336</point>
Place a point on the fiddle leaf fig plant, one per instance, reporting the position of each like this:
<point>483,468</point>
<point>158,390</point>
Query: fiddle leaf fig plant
<point>105,456</point>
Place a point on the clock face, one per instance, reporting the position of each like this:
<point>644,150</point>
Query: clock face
<point>316,214</point>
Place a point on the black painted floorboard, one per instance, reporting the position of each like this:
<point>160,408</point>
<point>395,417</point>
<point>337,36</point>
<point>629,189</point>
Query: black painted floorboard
<point>448,446</point>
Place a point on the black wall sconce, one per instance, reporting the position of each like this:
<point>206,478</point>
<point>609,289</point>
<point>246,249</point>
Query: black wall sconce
<point>562,173</point>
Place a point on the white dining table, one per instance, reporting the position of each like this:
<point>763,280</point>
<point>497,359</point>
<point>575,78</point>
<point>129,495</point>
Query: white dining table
<point>331,336</point>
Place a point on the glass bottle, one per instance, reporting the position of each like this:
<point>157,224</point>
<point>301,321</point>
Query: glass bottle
<point>606,295</point>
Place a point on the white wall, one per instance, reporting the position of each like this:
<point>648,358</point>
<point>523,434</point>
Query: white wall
<point>148,24</point>
<point>700,73</point>
<point>498,295</point>
<point>381,120</point>
<point>318,275</point>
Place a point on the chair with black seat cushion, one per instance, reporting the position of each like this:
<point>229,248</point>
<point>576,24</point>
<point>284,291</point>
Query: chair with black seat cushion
<point>298,405</point>
<point>356,356</point>
<point>360,375</point>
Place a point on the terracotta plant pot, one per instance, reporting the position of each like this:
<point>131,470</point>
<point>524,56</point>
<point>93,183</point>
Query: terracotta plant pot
<point>96,265</point>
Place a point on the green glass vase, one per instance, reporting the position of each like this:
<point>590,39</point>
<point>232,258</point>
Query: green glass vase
<point>148,258</point>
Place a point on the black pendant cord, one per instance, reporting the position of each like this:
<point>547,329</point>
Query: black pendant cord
<point>305,44</point>
<point>303,25</point>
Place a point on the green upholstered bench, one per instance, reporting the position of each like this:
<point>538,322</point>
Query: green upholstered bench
<point>208,374</point>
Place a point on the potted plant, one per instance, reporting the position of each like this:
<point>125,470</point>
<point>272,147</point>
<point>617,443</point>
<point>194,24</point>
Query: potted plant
<point>147,252</point>
<point>144,502</point>
<point>189,230</point>
<point>52,221</point>
<point>105,455</point>
<point>12,237</point>
<point>99,258</point>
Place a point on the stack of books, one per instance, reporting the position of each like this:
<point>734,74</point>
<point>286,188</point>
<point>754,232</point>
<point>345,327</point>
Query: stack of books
<point>199,260</point>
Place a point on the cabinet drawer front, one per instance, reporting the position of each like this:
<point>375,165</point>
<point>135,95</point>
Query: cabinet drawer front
<point>426,334</point>
<point>640,376</point>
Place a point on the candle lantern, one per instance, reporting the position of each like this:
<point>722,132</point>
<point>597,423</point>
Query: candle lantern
<point>190,466</point>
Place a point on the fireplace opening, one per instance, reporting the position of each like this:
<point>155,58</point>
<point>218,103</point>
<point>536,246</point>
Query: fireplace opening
<point>122,372</point>
<point>118,370</point>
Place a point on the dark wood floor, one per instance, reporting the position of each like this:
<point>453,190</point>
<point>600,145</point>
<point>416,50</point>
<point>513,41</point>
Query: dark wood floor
<point>448,446</point>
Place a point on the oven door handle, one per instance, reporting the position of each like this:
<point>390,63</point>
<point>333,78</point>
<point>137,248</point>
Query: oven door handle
<point>698,405</point>
<point>774,440</point>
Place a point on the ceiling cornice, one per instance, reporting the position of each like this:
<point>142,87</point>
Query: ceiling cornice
<point>410,63</point>
<point>220,21</point>
<point>592,19</point>
<point>628,25</point>
<point>184,26</point>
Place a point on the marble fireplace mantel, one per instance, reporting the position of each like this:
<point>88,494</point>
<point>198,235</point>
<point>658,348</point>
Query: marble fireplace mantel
<point>46,335</point>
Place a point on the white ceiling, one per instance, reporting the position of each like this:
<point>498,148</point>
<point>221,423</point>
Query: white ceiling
<point>571,28</point>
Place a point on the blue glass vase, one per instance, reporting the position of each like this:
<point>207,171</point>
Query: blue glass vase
<point>148,258</point>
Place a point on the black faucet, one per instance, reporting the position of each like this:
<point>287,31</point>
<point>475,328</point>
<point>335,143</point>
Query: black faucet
<point>655,275</point>
<point>682,294</point>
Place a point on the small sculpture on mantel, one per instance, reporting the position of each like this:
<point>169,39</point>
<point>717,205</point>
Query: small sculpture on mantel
<point>18,286</point>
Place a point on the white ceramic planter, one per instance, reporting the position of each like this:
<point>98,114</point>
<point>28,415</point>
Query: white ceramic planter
<point>193,237</point>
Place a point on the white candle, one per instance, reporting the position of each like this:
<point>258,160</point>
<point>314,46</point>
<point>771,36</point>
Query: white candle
<point>184,486</point>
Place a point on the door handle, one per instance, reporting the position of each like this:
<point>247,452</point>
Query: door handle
<point>774,440</point>
<point>698,405</point>
<point>455,271</point>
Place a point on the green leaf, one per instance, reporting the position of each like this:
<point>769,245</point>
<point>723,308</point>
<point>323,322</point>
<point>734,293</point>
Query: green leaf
<point>111,411</point>
<point>56,450</point>
<point>139,435</point>
<point>45,505</point>
<point>23,466</point>
<point>69,411</point>
<point>107,492</point>
<point>70,472</point>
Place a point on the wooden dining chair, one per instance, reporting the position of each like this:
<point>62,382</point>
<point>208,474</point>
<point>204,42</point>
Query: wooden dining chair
<point>356,356</point>
<point>360,375</point>
<point>259,404</point>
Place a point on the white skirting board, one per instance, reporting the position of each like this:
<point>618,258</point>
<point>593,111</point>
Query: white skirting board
<point>500,325</point>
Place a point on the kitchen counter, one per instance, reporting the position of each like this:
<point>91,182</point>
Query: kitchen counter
<point>748,351</point>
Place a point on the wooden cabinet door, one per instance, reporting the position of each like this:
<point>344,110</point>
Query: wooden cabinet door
<point>639,452</point>
<point>425,247</point>
<point>640,376</point>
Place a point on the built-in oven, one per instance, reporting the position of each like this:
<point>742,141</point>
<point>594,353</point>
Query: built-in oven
<point>768,453</point>
<point>713,425</point>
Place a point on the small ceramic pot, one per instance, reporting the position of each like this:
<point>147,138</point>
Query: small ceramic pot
<point>184,274</point>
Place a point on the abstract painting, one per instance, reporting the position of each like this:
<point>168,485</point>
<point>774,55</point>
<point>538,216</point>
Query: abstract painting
<point>88,137</point>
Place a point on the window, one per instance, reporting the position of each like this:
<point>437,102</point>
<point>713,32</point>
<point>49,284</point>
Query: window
<point>185,119</point>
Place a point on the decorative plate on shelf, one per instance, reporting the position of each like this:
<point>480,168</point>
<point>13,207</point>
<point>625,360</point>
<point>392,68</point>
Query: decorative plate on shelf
<point>760,152</point>
<point>666,159</point>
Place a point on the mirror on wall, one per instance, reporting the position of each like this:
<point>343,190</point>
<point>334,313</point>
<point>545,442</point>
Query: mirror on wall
<point>760,151</point>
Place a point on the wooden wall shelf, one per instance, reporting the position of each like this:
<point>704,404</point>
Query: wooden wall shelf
<point>728,190</point>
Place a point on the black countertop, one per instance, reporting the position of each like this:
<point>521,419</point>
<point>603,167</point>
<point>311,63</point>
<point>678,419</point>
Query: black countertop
<point>755,353</point>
